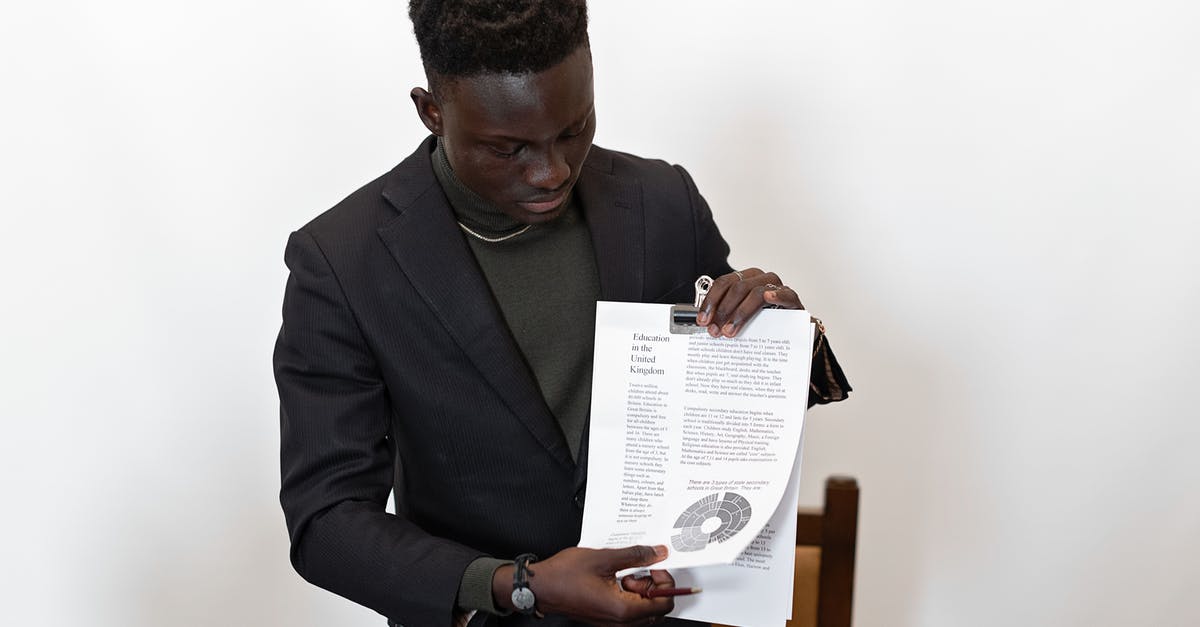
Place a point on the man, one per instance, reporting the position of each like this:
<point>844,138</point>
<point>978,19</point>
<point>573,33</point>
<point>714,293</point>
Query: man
<point>437,335</point>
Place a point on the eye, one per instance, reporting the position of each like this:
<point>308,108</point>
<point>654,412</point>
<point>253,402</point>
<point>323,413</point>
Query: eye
<point>504,153</point>
<point>576,132</point>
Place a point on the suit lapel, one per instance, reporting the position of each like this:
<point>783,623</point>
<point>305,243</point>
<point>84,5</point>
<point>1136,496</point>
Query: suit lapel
<point>428,246</point>
<point>616,219</point>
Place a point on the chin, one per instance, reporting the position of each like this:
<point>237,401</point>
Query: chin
<point>525,216</point>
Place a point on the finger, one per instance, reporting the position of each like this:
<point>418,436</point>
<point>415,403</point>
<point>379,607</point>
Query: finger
<point>643,583</point>
<point>638,584</point>
<point>662,579</point>
<point>633,556</point>
<point>717,291</point>
<point>783,297</point>
<point>750,305</point>
<point>752,301</point>
<point>632,608</point>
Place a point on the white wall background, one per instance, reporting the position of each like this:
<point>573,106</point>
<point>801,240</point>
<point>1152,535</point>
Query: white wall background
<point>994,205</point>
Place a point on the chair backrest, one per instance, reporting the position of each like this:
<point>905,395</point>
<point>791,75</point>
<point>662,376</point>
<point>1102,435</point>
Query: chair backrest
<point>832,534</point>
<point>823,587</point>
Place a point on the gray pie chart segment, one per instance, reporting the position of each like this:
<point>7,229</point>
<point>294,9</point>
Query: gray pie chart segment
<point>731,511</point>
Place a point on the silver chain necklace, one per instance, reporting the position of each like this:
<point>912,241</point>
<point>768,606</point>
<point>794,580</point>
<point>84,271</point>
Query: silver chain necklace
<point>493,240</point>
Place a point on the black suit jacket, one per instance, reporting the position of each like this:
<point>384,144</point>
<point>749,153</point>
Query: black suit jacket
<point>396,371</point>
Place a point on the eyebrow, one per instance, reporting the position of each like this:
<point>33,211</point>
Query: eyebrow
<point>521,140</point>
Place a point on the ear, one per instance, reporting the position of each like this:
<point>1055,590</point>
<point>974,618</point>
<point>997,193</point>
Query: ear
<point>428,110</point>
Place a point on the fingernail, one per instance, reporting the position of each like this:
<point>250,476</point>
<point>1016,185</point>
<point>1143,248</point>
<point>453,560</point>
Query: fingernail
<point>702,318</point>
<point>661,550</point>
<point>728,329</point>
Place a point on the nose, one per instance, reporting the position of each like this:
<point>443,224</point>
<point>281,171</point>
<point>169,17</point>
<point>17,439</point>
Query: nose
<point>548,171</point>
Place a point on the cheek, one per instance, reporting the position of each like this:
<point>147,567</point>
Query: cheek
<point>584,145</point>
<point>489,177</point>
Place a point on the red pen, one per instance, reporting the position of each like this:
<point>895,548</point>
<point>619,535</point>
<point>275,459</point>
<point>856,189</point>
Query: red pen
<point>669,592</point>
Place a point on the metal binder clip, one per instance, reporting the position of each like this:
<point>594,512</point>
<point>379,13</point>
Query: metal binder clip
<point>683,317</point>
<point>702,286</point>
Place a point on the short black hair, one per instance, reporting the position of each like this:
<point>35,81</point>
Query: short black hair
<point>460,38</point>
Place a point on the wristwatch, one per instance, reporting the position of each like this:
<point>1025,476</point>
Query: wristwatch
<point>522,596</point>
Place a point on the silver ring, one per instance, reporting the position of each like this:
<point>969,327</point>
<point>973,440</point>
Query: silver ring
<point>771,287</point>
<point>739,274</point>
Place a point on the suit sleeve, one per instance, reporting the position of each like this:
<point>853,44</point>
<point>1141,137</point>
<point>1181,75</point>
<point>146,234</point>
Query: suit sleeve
<point>336,460</point>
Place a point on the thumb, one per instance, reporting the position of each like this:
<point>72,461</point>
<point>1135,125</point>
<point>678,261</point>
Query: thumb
<point>634,556</point>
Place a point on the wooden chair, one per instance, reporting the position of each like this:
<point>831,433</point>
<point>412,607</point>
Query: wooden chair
<point>823,588</point>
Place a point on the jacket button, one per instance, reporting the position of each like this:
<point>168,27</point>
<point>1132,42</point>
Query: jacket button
<point>579,499</point>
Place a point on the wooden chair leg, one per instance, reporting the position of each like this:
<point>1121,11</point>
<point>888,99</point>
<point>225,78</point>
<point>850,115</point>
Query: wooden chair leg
<point>839,533</point>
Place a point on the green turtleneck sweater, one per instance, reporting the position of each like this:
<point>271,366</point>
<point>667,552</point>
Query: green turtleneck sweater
<point>545,281</point>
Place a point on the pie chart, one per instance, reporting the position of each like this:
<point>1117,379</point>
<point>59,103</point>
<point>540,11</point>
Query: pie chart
<point>714,518</point>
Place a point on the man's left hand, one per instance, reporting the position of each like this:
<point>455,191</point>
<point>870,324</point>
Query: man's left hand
<point>734,298</point>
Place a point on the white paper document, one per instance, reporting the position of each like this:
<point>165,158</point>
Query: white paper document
<point>755,590</point>
<point>693,444</point>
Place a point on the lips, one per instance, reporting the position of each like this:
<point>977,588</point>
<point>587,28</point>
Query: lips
<point>543,206</point>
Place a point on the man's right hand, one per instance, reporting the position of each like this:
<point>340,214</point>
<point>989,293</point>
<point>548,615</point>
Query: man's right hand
<point>581,585</point>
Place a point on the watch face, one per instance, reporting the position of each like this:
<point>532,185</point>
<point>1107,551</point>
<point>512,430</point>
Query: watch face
<point>523,598</point>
